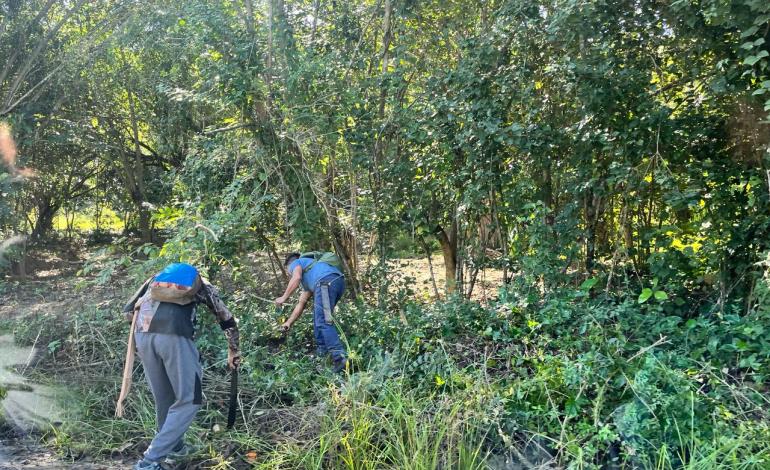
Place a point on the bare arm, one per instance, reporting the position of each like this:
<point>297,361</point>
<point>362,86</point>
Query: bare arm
<point>296,278</point>
<point>297,312</point>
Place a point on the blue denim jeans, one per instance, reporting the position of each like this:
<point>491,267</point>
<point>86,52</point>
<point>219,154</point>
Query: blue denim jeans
<point>327,337</point>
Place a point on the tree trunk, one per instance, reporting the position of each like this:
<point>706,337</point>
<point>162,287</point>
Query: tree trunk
<point>430,266</point>
<point>448,243</point>
<point>46,211</point>
<point>314,29</point>
<point>249,17</point>
<point>135,175</point>
<point>282,31</point>
<point>387,34</point>
<point>343,247</point>
<point>19,265</point>
<point>548,193</point>
<point>627,228</point>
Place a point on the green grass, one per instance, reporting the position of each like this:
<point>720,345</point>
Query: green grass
<point>85,221</point>
<point>462,386</point>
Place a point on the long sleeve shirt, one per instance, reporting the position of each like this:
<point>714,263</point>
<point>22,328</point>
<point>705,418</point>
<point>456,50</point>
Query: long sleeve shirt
<point>169,318</point>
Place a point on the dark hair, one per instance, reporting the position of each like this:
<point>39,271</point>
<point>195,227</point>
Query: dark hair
<point>290,257</point>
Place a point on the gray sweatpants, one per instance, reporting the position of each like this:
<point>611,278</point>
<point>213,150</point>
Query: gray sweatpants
<point>172,367</point>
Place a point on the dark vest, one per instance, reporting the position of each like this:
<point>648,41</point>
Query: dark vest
<point>174,319</point>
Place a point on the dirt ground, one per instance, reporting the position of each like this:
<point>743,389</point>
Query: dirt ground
<point>26,410</point>
<point>26,453</point>
<point>417,273</point>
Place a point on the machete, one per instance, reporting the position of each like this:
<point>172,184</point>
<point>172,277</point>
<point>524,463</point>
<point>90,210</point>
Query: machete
<point>233,398</point>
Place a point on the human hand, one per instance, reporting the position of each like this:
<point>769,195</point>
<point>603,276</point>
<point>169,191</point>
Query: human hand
<point>280,301</point>
<point>129,316</point>
<point>285,327</point>
<point>233,359</point>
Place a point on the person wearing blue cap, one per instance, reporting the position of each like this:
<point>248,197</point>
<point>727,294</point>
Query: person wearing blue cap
<point>163,312</point>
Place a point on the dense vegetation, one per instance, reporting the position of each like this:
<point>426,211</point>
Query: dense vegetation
<point>612,158</point>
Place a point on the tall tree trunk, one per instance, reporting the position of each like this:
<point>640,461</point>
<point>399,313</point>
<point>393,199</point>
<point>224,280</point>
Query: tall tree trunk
<point>135,175</point>
<point>339,240</point>
<point>430,265</point>
<point>282,31</point>
<point>19,262</point>
<point>314,29</point>
<point>547,192</point>
<point>627,228</point>
<point>269,58</point>
<point>354,218</point>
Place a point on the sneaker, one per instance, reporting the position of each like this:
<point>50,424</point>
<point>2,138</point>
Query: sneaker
<point>147,465</point>
<point>340,365</point>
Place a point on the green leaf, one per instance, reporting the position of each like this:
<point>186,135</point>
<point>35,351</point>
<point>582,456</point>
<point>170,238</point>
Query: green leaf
<point>588,283</point>
<point>749,32</point>
<point>645,295</point>
<point>571,407</point>
<point>761,20</point>
<point>660,295</point>
<point>753,59</point>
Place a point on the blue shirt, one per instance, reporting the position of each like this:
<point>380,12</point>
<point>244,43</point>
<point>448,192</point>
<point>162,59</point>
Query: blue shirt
<point>317,272</point>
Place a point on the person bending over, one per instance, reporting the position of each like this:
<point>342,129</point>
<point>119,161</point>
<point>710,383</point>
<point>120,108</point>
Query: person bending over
<point>326,284</point>
<point>165,307</point>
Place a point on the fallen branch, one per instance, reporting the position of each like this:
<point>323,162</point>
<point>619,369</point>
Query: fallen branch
<point>662,340</point>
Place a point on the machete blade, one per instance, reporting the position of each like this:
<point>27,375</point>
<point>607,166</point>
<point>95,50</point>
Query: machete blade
<point>233,399</point>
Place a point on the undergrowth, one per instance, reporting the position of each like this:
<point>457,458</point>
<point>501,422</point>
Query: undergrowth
<point>570,378</point>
